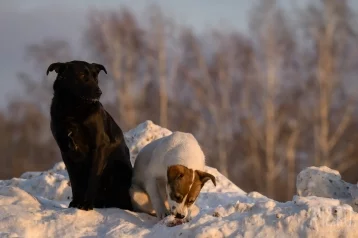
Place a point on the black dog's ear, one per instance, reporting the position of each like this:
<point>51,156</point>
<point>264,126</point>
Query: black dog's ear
<point>99,67</point>
<point>55,66</point>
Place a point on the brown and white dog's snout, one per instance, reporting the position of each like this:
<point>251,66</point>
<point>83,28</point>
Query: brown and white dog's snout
<point>183,188</point>
<point>177,209</point>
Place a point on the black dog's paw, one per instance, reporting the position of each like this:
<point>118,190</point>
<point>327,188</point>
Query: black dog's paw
<point>73,204</point>
<point>86,206</point>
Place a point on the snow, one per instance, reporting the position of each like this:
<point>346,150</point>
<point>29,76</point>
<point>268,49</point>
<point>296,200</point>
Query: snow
<point>328,183</point>
<point>35,205</point>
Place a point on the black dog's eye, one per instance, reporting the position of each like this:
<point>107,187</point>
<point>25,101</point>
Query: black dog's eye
<point>82,75</point>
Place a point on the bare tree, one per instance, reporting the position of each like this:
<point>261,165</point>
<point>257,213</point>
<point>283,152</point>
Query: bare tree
<point>272,44</point>
<point>160,52</point>
<point>331,29</point>
<point>116,39</point>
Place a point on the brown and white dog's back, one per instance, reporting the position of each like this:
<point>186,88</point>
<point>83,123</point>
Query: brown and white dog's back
<point>168,175</point>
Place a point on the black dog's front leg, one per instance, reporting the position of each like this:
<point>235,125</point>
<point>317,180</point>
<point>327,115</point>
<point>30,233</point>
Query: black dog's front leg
<point>99,162</point>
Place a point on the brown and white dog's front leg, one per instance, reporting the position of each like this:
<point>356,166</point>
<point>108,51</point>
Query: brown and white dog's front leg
<point>99,162</point>
<point>156,200</point>
<point>192,212</point>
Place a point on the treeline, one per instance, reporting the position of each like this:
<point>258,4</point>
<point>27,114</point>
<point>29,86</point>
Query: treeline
<point>263,104</point>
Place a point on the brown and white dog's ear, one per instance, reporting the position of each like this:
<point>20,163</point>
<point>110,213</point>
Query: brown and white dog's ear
<point>204,177</point>
<point>55,66</point>
<point>99,67</point>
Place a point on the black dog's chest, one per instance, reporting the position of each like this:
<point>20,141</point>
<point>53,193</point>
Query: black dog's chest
<point>73,139</point>
<point>78,139</point>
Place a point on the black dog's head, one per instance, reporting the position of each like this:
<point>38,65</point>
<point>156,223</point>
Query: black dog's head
<point>77,78</point>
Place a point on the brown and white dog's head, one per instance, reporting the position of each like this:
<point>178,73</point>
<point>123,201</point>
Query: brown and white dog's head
<point>183,187</point>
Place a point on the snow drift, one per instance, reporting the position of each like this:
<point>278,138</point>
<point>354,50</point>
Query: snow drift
<point>35,205</point>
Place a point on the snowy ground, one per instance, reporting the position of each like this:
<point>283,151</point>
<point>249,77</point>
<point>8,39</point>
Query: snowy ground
<point>35,205</point>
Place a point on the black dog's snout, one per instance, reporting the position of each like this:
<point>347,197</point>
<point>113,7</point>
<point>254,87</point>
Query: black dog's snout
<point>98,92</point>
<point>179,216</point>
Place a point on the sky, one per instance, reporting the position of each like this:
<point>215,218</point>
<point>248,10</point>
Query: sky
<point>26,22</point>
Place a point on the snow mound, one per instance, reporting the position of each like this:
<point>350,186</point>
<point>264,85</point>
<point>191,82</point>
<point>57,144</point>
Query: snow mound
<point>325,182</point>
<point>35,205</point>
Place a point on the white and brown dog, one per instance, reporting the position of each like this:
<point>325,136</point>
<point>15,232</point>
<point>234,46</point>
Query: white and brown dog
<point>168,176</point>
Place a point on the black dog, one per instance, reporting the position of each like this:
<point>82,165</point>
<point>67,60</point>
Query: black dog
<point>92,144</point>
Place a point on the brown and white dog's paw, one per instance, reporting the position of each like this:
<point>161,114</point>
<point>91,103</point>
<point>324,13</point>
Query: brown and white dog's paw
<point>193,212</point>
<point>163,214</point>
